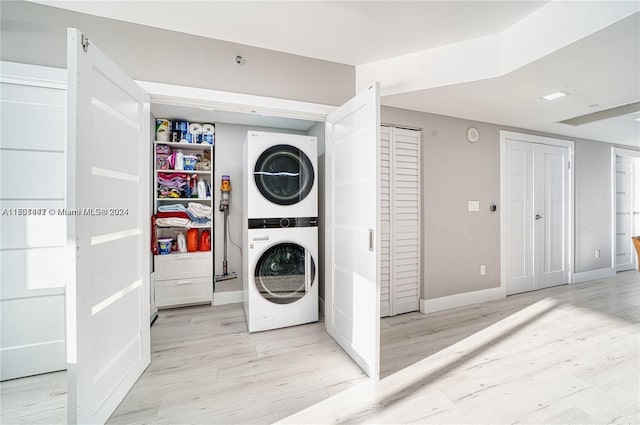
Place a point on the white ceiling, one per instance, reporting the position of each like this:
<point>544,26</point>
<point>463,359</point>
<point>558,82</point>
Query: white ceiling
<point>601,68</point>
<point>350,32</point>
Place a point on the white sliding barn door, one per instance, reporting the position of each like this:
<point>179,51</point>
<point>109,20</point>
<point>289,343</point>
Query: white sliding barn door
<point>108,303</point>
<point>353,240</point>
<point>399,220</point>
<point>537,202</point>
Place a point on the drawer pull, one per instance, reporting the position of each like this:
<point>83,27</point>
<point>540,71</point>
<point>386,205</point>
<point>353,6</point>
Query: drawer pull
<point>183,281</point>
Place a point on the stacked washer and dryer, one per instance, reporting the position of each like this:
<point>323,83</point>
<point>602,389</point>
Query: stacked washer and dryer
<point>280,238</point>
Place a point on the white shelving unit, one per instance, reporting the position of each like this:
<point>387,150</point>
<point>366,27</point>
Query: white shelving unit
<point>183,278</point>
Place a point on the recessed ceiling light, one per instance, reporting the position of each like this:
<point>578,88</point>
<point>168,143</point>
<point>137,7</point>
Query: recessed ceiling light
<point>556,95</point>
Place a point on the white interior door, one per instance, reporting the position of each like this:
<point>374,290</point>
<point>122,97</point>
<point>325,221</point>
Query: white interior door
<point>108,344</point>
<point>399,220</point>
<point>352,312</point>
<point>32,243</point>
<point>405,239</point>
<point>625,251</point>
<point>537,202</point>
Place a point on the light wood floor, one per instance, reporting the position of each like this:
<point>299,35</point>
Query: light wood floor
<point>568,354</point>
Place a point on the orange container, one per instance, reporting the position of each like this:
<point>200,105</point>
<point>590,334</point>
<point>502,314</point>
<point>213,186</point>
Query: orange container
<point>205,241</point>
<point>192,240</point>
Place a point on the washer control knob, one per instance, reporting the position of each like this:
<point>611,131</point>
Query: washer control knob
<point>284,222</point>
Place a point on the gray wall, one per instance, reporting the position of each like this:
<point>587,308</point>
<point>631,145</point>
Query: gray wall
<point>36,34</point>
<point>456,242</point>
<point>592,205</point>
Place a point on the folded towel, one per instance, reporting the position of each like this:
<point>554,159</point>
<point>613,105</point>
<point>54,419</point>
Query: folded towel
<point>173,222</point>
<point>173,207</point>
<point>199,210</point>
<point>174,214</point>
<point>196,219</point>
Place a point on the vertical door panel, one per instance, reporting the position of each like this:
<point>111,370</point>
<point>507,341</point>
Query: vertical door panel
<point>108,309</point>
<point>624,214</point>
<point>405,241</point>
<point>520,188</point>
<point>385,221</point>
<point>353,242</point>
<point>550,204</point>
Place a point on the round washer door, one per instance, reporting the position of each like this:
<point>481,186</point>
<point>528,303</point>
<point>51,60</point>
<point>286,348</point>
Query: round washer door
<point>284,174</point>
<point>284,273</point>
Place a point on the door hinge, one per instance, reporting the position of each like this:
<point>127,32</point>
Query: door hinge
<point>569,164</point>
<point>85,42</point>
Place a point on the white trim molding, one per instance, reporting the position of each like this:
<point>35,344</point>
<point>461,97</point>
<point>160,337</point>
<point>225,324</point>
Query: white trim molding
<point>227,297</point>
<point>207,99</point>
<point>461,300</point>
<point>594,274</point>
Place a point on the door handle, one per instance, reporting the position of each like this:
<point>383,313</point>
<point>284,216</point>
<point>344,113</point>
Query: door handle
<point>538,217</point>
<point>370,239</point>
<point>636,212</point>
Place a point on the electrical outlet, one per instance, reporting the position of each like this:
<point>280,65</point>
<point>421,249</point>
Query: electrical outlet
<point>483,270</point>
<point>597,253</point>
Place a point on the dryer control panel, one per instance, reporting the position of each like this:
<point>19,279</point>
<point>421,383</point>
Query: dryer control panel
<point>284,222</point>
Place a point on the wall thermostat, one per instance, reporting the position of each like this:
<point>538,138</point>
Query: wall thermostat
<point>473,134</point>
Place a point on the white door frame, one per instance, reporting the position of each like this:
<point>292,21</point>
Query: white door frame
<point>505,136</point>
<point>194,97</point>
<point>625,153</point>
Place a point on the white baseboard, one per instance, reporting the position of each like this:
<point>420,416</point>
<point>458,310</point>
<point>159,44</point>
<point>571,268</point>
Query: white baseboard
<point>227,297</point>
<point>321,305</point>
<point>459,300</point>
<point>594,274</point>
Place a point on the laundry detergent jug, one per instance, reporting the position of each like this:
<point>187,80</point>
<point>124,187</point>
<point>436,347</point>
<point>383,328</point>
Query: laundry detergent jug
<point>205,241</point>
<point>192,240</point>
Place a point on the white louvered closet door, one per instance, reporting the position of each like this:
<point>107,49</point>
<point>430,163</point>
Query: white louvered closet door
<point>400,220</point>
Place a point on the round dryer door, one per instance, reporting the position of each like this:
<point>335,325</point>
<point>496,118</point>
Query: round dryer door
<point>284,174</point>
<point>284,273</point>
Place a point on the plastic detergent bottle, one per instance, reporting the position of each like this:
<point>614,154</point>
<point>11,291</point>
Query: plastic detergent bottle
<point>179,160</point>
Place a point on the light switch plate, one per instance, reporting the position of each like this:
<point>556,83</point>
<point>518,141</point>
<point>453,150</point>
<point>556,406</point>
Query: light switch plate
<point>474,206</point>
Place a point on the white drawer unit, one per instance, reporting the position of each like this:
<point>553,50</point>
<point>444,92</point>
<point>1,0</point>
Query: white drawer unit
<point>177,292</point>
<point>182,266</point>
<point>183,279</point>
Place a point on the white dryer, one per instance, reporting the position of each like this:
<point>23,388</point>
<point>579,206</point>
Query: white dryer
<point>281,281</point>
<point>280,176</point>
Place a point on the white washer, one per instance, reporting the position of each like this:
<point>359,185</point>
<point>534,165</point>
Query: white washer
<point>281,283</point>
<point>280,177</point>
